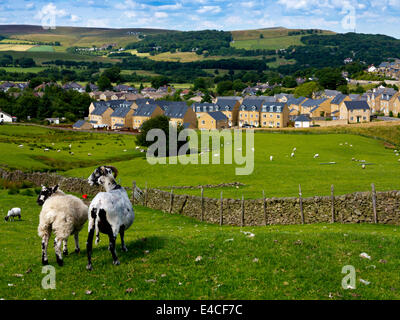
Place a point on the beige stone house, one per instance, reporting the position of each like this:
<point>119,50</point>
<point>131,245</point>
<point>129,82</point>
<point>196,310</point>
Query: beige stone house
<point>274,115</point>
<point>355,111</point>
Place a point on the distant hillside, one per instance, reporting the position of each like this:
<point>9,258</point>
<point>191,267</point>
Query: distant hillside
<point>272,38</point>
<point>75,36</point>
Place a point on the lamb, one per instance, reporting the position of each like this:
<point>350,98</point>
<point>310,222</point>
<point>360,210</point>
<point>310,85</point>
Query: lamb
<point>110,212</point>
<point>14,212</point>
<point>63,214</point>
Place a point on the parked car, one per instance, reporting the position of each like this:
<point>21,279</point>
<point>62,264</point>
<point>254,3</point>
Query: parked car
<point>246,125</point>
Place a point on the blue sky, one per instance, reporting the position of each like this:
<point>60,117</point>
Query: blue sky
<point>368,16</point>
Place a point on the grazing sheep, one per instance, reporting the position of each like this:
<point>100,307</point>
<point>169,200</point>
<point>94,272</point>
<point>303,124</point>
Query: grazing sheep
<point>292,155</point>
<point>110,212</point>
<point>363,166</point>
<point>21,146</point>
<point>89,154</point>
<point>46,150</point>
<point>64,215</point>
<point>271,158</point>
<point>14,212</point>
<point>294,149</point>
<point>316,155</point>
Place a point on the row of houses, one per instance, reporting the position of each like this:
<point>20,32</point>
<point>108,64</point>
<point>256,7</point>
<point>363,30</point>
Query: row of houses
<point>120,114</point>
<point>227,112</point>
<point>389,69</point>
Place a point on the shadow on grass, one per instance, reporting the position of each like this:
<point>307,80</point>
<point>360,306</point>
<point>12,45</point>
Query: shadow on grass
<point>136,249</point>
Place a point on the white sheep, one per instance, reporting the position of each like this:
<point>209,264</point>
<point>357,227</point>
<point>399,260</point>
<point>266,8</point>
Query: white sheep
<point>110,212</point>
<point>292,155</point>
<point>316,155</point>
<point>271,158</point>
<point>46,150</point>
<point>21,146</point>
<point>89,154</point>
<point>294,149</point>
<point>62,214</point>
<point>14,212</point>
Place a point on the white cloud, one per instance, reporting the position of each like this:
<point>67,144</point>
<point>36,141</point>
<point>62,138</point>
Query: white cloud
<point>50,10</point>
<point>161,15</point>
<point>209,9</point>
<point>75,18</point>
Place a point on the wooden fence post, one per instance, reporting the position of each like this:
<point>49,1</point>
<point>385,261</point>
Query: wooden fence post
<point>221,217</point>
<point>171,200</point>
<point>333,203</point>
<point>145,195</point>
<point>301,205</point>
<point>202,204</point>
<point>374,203</point>
<point>242,222</point>
<point>133,192</point>
<point>265,208</point>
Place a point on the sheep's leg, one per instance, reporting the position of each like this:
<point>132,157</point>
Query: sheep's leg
<point>45,243</point>
<point>57,248</point>
<point>76,237</point>
<point>112,239</point>
<point>65,247</point>
<point>122,234</point>
<point>89,242</point>
<point>97,237</point>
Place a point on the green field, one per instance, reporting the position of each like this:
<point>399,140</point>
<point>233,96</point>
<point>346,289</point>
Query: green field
<point>279,262</point>
<point>24,70</point>
<point>41,49</point>
<point>273,38</point>
<point>278,178</point>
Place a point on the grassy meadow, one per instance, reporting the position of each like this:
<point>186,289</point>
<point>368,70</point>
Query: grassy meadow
<point>174,257</point>
<point>279,178</point>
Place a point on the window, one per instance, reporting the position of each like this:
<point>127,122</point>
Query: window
<point>245,115</point>
<point>251,116</point>
<point>364,118</point>
<point>264,123</point>
<point>203,122</point>
<point>271,115</point>
<point>278,124</point>
<point>351,118</point>
<point>264,115</point>
<point>278,116</point>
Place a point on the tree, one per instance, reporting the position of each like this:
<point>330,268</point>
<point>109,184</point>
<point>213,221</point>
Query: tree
<point>113,73</point>
<point>104,83</point>
<point>238,85</point>
<point>330,78</point>
<point>344,89</point>
<point>307,89</point>
<point>159,122</point>
<point>289,82</point>
<point>224,86</point>
<point>87,89</point>
<point>159,81</point>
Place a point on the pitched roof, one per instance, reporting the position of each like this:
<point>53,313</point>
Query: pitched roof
<point>121,112</point>
<point>204,107</point>
<point>331,93</point>
<point>303,118</point>
<point>175,110</point>
<point>98,111</point>
<point>218,115</point>
<point>295,101</point>
<point>357,105</point>
<point>251,105</point>
<point>226,103</point>
<point>78,124</point>
<point>272,107</point>
<point>313,102</point>
<point>145,110</point>
<point>339,98</point>
<point>113,104</point>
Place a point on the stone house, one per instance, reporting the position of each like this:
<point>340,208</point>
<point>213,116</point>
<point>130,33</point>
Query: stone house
<point>355,111</point>
<point>274,115</point>
<point>213,121</point>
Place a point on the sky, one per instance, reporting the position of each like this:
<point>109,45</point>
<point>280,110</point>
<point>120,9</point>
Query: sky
<point>366,16</point>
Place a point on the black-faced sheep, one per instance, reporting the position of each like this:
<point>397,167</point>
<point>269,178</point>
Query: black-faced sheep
<point>14,212</point>
<point>110,212</point>
<point>64,215</point>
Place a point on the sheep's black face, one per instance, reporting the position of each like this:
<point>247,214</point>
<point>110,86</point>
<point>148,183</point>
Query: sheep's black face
<point>45,194</point>
<point>6,218</point>
<point>103,171</point>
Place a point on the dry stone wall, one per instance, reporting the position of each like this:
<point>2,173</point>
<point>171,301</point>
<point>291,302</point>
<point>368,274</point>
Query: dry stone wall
<point>351,208</point>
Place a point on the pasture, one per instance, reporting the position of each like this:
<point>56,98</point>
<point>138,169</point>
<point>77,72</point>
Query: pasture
<point>279,178</point>
<point>42,49</point>
<point>174,257</point>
